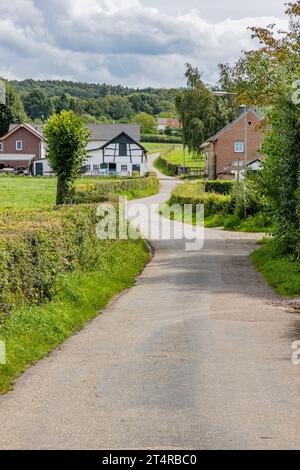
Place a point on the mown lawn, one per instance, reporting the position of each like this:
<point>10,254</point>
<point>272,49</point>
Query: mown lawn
<point>175,155</point>
<point>154,147</point>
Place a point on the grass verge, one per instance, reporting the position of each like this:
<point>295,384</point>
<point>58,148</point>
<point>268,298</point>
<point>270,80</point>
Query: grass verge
<point>280,272</point>
<point>32,332</point>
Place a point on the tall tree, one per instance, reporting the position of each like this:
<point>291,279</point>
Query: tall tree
<point>12,110</point>
<point>200,112</point>
<point>66,139</point>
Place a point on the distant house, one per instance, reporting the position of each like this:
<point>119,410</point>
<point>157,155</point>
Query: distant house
<point>112,149</point>
<point>21,146</point>
<point>163,123</point>
<point>225,151</point>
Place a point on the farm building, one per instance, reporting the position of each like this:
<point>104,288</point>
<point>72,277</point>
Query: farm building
<point>112,149</point>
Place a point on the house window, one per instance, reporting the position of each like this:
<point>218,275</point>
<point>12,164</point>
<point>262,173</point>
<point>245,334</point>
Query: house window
<point>136,168</point>
<point>103,166</point>
<point>123,150</point>
<point>87,168</point>
<point>239,147</point>
<point>1,147</point>
<point>123,167</point>
<point>19,145</point>
<point>96,167</point>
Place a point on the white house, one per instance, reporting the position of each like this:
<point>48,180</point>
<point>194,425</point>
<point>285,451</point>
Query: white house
<point>112,149</point>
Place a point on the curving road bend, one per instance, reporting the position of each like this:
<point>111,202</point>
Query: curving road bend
<point>197,355</point>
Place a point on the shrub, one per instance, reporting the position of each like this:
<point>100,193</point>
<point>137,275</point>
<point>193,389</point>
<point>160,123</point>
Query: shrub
<point>167,139</point>
<point>219,187</point>
<point>193,193</point>
<point>104,190</point>
<point>38,247</point>
<point>166,167</point>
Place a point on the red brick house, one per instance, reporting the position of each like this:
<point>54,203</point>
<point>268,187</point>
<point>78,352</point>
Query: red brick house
<point>172,123</point>
<point>20,146</point>
<point>226,150</point>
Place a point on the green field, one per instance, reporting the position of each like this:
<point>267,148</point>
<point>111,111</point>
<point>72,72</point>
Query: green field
<point>153,147</point>
<point>174,154</point>
<point>22,192</point>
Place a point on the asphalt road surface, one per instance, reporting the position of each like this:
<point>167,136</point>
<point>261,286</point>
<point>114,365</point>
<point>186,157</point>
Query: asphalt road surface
<point>197,355</point>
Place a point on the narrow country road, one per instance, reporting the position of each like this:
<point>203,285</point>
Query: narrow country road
<point>197,355</point>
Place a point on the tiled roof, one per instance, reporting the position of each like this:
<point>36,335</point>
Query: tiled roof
<point>99,131</point>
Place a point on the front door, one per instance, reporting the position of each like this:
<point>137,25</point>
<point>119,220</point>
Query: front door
<point>39,169</point>
<point>112,167</point>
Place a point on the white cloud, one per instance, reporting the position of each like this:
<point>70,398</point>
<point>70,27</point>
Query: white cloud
<point>117,41</point>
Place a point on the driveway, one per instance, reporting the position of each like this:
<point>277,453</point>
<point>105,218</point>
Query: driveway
<point>197,355</point>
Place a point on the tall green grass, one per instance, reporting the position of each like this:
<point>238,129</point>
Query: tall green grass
<point>281,272</point>
<point>33,331</point>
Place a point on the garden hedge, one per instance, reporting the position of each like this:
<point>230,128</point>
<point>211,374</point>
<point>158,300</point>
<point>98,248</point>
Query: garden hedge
<point>103,190</point>
<point>219,187</point>
<point>38,247</point>
<point>171,168</point>
<point>161,139</point>
<point>193,193</point>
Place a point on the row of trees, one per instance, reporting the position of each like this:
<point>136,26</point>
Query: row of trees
<point>40,101</point>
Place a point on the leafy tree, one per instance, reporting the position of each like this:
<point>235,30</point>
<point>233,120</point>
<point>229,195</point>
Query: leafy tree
<point>62,103</point>
<point>118,107</point>
<point>37,105</point>
<point>195,106</point>
<point>12,111</point>
<point>147,122</point>
<point>66,139</point>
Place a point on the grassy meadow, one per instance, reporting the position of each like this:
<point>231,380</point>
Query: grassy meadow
<point>25,192</point>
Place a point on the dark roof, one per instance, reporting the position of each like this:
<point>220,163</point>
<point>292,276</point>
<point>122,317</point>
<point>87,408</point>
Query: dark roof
<point>119,135</point>
<point>101,131</point>
<point>109,131</point>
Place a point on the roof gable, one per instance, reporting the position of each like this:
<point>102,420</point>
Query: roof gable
<point>232,124</point>
<point>123,137</point>
<point>28,127</point>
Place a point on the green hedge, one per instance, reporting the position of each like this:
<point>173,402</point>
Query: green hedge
<point>213,203</point>
<point>38,247</point>
<point>219,187</point>
<point>104,190</point>
<point>193,193</point>
<point>161,139</point>
<point>167,167</point>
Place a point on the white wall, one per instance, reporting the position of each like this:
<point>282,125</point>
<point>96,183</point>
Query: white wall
<point>96,158</point>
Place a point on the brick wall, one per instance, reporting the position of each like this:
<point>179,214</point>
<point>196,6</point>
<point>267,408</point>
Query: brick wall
<point>224,147</point>
<point>31,146</point>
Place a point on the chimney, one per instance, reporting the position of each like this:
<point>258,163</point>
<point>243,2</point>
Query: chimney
<point>242,110</point>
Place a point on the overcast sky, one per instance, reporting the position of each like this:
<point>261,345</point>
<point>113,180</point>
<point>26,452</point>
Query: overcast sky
<point>130,42</point>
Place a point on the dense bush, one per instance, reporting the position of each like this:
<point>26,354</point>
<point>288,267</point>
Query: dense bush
<point>219,187</point>
<point>166,167</point>
<point>160,139</point>
<point>193,193</point>
<point>105,189</point>
<point>38,247</point>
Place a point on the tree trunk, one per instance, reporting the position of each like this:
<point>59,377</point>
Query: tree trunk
<point>61,193</point>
